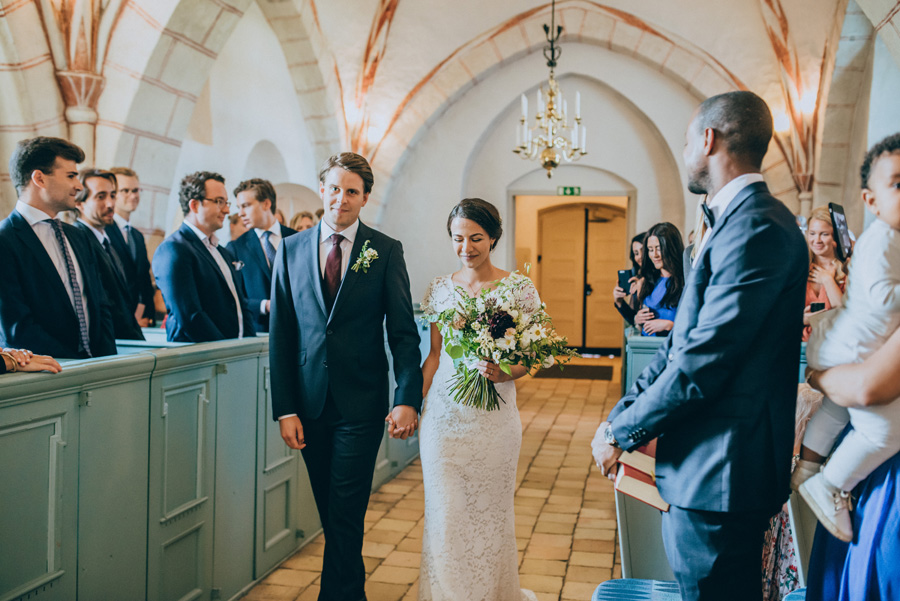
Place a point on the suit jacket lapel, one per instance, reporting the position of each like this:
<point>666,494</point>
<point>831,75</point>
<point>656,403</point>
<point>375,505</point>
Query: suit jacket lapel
<point>363,233</point>
<point>201,249</point>
<point>733,206</point>
<point>30,241</point>
<point>313,271</point>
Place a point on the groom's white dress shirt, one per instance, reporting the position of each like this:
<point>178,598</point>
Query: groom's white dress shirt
<point>349,234</point>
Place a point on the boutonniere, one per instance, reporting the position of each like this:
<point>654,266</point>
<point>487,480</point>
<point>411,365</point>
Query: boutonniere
<point>365,258</point>
<point>238,265</point>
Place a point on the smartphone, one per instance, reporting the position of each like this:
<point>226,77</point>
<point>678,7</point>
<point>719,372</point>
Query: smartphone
<point>816,307</point>
<point>624,276</point>
<point>841,231</point>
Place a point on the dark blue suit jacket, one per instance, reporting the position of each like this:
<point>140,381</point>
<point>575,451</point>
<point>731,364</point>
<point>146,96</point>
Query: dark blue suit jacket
<point>201,307</point>
<point>125,326</point>
<point>137,270</point>
<point>35,310</point>
<point>312,351</point>
<point>256,273</point>
<point>721,392</point>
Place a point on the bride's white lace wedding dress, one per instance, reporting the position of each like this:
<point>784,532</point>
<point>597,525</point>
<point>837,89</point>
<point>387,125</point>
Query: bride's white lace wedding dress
<point>469,459</point>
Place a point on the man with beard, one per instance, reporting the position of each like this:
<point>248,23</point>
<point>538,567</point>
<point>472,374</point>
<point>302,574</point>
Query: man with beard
<point>96,202</point>
<point>720,393</point>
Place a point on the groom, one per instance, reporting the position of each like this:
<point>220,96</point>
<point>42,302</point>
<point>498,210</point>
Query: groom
<point>330,305</point>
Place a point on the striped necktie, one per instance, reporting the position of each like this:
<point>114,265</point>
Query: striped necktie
<point>83,336</point>
<point>269,248</point>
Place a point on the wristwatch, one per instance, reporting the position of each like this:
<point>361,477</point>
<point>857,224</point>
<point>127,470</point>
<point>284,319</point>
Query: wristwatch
<point>608,437</point>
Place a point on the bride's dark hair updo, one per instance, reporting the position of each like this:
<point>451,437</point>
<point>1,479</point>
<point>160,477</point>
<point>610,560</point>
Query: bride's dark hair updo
<point>481,212</point>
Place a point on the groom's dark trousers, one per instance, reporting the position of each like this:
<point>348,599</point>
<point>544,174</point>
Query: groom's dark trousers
<point>329,366</point>
<point>720,397</point>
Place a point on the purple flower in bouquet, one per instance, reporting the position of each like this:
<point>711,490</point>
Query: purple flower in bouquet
<point>500,322</point>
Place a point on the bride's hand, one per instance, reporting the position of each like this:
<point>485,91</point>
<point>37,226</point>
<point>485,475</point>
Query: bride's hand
<point>492,372</point>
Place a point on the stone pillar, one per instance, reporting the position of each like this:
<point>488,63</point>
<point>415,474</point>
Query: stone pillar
<point>81,92</point>
<point>806,199</point>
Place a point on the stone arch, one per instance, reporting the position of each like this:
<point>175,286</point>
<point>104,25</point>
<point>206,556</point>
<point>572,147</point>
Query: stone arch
<point>843,137</point>
<point>586,22</point>
<point>31,103</point>
<point>159,60</point>
<point>265,161</point>
<point>885,18</point>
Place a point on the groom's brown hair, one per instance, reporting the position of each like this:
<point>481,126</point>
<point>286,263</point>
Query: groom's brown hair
<point>352,162</point>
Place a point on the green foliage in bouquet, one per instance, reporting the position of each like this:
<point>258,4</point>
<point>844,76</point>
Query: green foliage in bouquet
<point>505,325</point>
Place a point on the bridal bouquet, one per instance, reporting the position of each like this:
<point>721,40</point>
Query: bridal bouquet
<point>504,325</point>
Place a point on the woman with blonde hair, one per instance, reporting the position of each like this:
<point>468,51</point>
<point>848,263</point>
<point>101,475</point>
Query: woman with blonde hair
<point>827,278</point>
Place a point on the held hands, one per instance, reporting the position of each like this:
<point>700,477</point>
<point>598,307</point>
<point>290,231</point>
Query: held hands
<point>292,432</point>
<point>492,372</point>
<point>403,421</point>
<point>28,361</point>
<point>606,456</point>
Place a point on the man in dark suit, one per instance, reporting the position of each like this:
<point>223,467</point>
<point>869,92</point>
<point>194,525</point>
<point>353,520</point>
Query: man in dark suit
<point>256,248</point>
<point>52,301</point>
<point>720,393</point>
<point>96,203</point>
<point>128,241</point>
<point>200,280</point>
<point>329,375</point>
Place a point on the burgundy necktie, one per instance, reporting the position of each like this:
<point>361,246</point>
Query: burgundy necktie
<point>333,270</point>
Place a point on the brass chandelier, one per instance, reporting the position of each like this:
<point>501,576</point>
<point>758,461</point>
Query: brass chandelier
<point>548,139</point>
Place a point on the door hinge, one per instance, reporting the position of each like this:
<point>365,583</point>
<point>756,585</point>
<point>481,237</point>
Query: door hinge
<point>215,593</point>
<point>221,368</point>
<point>84,399</point>
<point>300,533</point>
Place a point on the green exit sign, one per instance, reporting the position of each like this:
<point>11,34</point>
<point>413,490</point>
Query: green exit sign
<point>568,190</point>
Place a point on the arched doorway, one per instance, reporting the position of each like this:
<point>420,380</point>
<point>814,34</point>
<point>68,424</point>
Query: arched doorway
<point>577,248</point>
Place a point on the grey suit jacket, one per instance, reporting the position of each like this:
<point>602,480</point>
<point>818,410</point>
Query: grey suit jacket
<point>720,393</point>
<point>312,351</point>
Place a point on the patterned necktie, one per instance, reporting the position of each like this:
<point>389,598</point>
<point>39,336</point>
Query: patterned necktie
<point>333,270</point>
<point>270,250</point>
<point>76,289</point>
<point>117,263</point>
<point>132,244</point>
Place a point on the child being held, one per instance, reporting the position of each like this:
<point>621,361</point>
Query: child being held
<point>849,334</point>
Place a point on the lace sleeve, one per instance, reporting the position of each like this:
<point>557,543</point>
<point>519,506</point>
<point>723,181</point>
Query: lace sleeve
<point>427,305</point>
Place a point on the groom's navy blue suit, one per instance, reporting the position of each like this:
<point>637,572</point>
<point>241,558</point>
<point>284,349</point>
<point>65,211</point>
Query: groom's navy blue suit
<point>720,395</point>
<point>330,368</point>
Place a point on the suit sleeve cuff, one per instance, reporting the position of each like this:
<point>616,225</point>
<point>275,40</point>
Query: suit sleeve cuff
<point>262,307</point>
<point>281,417</point>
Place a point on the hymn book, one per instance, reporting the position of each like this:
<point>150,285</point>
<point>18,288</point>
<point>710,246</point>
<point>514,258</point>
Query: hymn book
<point>636,476</point>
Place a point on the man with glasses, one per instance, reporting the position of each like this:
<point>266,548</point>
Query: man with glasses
<point>129,243</point>
<point>200,280</point>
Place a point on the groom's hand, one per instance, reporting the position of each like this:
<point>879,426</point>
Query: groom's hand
<point>605,455</point>
<point>292,432</point>
<point>402,422</point>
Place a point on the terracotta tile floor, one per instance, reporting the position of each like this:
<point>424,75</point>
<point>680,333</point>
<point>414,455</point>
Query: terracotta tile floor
<point>565,514</point>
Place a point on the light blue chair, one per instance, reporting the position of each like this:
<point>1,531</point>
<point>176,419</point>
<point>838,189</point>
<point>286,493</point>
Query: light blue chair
<point>633,589</point>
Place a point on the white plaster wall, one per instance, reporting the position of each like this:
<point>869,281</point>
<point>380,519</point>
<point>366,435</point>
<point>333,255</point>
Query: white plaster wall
<point>252,106</point>
<point>884,110</point>
<point>635,133</point>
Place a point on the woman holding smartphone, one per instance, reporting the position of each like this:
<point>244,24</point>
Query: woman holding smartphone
<point>662,280</point>
<point>825,287</point>
<point>625,306</point>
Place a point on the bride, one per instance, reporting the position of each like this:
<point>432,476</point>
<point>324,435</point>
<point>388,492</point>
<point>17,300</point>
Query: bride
<point>469,455</point>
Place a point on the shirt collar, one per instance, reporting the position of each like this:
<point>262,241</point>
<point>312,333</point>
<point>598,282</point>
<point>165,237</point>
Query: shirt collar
<point>100,234</point>
<point>326,231</point>
<point>729,192</point>
<point>275,229</point>
<point>208,240</point>
<point>121,221</point>
<point>31,214</point>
